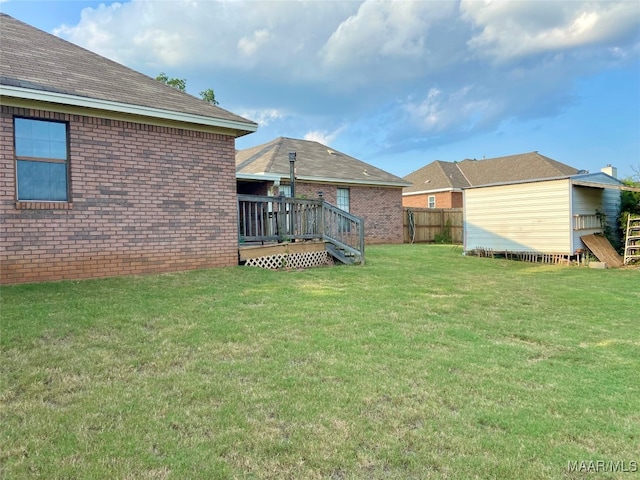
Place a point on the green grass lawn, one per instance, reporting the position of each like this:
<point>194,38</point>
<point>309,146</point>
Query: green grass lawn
<point>420,364</point>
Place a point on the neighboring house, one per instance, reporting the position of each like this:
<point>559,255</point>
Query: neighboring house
<point>106,171</point>
<point>547,216</point>
<point>348,183</point>
<point>440,184</point>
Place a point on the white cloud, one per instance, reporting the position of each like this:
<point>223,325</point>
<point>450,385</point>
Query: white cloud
<point>511,30</point>
<point>396,72</point>
<point>263,117</point>
<point>250,44</point>
<point>323,136</point>
<point>389,40</point>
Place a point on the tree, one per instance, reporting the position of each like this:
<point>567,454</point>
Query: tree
<point>629,205</point>
<point>207,95</point>
<point>179,83</point>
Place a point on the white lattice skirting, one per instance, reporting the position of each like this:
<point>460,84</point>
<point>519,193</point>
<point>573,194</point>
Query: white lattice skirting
<point>291,260</point>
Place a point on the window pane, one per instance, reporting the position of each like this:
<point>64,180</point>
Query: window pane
<point>40,139</point>
<point>284,190</point>
<point>343,199</point>
<point>42,181</point>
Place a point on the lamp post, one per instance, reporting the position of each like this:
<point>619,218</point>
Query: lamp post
<point>292,178</point>
<point>292,173</point>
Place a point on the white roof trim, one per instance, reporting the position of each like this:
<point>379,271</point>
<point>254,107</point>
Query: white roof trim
<point>66,99</point>
<point>356,182</point>
<point>437,190</point>
<point>582,183</point>
<point>518,182</point>
<point>258,176</point>
<point>574,179</point>
<point>310,178</point>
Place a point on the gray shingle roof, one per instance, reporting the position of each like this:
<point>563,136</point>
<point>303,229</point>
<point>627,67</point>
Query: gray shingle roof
<point>440,175</point>
<point>36,60</point>
<point>314,162</point>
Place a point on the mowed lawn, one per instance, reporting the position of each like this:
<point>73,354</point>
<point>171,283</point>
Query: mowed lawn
<point>421,364</point>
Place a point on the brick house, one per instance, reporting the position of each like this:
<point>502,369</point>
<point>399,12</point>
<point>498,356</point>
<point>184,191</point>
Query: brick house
<point>106,171</point>
<point>344,181</point>
<point>440,184</point>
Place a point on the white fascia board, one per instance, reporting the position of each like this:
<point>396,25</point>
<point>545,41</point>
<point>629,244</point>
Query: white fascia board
<point>602,186</point>
<point>77,101</point>
<point>381,183</point>
<point>313,179</point>
<point>438,190</point>
<point>267,177</point>
<point>518,182</point>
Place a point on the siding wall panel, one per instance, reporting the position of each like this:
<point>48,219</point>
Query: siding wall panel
<point>532,217</point>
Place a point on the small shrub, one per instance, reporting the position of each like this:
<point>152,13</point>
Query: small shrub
<point>445,235</point>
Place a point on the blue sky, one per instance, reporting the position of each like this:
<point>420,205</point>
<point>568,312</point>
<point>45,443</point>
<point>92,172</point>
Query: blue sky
<point>395,84</point>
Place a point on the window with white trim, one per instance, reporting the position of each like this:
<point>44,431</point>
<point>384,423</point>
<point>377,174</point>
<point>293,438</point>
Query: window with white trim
<point>284,190</point>
<point>431,201</point>
<point>42,160</point>
<point>343,199</point>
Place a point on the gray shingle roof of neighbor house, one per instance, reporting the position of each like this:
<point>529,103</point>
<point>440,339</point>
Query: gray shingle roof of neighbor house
<point>440,175</point>
<point>315,162</point>
<point>40,66</point>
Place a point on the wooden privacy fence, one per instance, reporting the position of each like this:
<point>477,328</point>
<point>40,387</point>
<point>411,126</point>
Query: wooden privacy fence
<point>443,225</point>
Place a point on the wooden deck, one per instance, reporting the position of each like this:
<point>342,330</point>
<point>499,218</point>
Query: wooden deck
<point>277,226</point>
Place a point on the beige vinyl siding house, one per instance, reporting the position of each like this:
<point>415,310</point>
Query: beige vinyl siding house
<point>546,216</point>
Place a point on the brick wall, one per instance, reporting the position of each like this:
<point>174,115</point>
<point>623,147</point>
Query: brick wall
<point>443,200</point>
<point>380,207</point>
<point>144,199</point>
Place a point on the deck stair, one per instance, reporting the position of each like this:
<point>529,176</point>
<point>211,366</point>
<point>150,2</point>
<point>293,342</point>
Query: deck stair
<point>632,244</point>
<point>342,253</point>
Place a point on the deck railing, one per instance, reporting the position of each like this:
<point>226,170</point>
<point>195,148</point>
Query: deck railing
<point>281,219</point>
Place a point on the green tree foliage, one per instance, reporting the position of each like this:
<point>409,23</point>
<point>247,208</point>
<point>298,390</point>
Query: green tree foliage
<point>179,83</point>
<point>629,205</point>
<point>207,95</point>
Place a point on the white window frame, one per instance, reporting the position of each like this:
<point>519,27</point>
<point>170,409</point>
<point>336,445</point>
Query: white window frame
<point>431,201</point>
<point>343,199</point>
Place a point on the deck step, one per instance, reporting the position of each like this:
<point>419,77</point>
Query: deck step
<point>340,254</point>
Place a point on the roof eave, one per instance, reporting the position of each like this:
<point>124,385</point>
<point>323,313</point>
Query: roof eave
<point>314,179</point>
<point>602,186</point>
<point>381,183</point>
<point>435,190</point>
<point>95,103</point>
<point>258,177</point>
<point>517,182</point>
